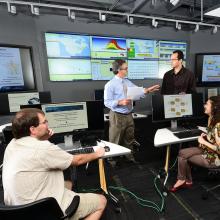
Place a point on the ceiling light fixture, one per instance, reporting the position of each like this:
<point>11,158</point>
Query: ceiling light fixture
<point>178,26</point>
<point>196,28</point>
<point>154,23</point>
<point>102,17</point>
<point>215,30</point>
<point>12,9</point>
<point>130,20</point>
<point>71,15</point>
<point>35,10</point>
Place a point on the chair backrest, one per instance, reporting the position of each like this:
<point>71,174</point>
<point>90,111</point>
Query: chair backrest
<point>43,209</point>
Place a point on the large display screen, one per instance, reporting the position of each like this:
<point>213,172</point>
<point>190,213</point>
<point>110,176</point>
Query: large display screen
<point>207,69</point>
<point>16,69</point>
<point>83,57</point>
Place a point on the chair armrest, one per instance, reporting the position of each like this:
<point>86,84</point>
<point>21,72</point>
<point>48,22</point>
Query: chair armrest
<point>72,207</point>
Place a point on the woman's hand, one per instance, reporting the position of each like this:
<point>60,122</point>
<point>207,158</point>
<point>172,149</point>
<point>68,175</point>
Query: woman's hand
<point>202,139</point>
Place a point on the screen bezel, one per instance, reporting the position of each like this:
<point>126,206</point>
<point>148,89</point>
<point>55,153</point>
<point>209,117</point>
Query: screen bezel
<point>31,87</point>
<point>158,115</point>
<point>198,71</point>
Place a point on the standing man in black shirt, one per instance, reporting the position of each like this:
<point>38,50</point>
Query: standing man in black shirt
<point>179,80</point>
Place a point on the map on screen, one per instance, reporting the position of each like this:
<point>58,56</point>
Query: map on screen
<point>67,45</point>
<point>142,49</point>
<point>69,69</point>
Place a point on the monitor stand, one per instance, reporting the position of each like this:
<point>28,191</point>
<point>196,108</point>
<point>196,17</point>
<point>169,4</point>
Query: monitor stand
<point>69,143</point>
<point>174,127</point>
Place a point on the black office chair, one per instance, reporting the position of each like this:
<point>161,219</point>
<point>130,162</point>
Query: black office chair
<point>43,209</point>
<point>213,174</point>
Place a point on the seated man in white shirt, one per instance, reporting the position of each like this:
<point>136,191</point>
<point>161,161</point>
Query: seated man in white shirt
<point>33,167</point>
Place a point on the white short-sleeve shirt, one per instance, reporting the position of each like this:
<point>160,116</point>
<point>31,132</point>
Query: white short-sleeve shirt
<point>33,169</point>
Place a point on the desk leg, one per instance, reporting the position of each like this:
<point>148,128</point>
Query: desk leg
<point>104,186</point>
<point>102,176</point>
<point>166,167</point>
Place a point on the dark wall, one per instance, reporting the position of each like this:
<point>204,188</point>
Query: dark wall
<point>28,30</point>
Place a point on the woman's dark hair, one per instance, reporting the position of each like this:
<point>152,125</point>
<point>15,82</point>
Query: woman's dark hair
<point>23,120</point>
<point>215,110</point>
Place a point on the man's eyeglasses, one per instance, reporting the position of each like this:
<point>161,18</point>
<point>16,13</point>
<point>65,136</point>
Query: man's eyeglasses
<point>126,68</point>
<point>174,59</point>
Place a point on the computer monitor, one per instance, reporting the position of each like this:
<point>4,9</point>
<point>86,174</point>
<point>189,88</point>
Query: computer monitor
<point>11,102</point>
<point>207,69</point>
<point>66,117</point>
<point>177,107</point>
<point>99,94</point>
<point>95,114</point>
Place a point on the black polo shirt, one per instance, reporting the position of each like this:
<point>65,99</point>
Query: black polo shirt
<point>182,82</point>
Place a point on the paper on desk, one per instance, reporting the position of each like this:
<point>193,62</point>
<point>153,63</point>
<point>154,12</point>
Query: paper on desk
<point>135,93</point>
<point>203,129</point>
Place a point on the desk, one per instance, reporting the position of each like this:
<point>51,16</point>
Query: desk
<point>165,137</point>
<point>115,150</point>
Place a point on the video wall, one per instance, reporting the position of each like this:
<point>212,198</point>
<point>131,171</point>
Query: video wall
<point>84,57</point>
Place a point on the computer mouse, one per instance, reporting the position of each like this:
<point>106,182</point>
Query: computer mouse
<point>135,115</point>
<point>107,117</point>
<point>107,148</point>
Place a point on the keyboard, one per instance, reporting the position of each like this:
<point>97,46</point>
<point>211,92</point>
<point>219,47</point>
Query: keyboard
<point>188,133</point>
<point>82,150</point>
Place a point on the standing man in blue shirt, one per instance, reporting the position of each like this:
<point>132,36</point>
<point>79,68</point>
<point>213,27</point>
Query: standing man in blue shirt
<point>121,123</point>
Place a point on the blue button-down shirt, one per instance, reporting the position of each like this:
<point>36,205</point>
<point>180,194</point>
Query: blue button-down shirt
<point>114,91</point>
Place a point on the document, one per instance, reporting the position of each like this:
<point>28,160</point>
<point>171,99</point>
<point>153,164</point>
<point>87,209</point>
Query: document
<point>135,93</point>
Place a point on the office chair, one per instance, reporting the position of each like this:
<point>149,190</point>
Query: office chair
<point>43,209</point>
<point>213,173</point>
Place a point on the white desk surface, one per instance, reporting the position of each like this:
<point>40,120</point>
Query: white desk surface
<point>165,137</point>
<point>3,126</point>
<point>115,150</point>
<point>134,115</point>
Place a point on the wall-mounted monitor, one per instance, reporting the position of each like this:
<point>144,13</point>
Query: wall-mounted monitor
<point>16,67</point>
<point>207,69</point>
<point>83,57</point>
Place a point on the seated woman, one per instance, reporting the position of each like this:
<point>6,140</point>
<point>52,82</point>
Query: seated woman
<point>207,153</point>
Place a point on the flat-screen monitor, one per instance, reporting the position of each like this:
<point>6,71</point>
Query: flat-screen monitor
<point>99,94</point>
<point>95,113</point>
<point>11,102</point>
<point>66,117</point>
<point>16,67</point>
<point>207,69</point>
<point>86,57</point>
<point>177,107</point>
